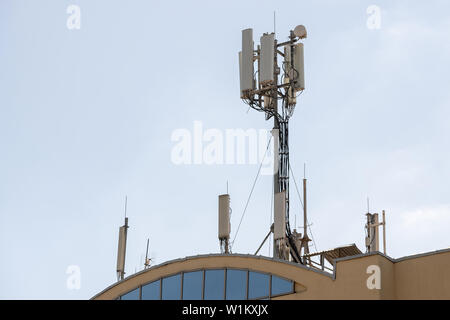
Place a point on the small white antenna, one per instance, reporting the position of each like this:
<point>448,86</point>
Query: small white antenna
<point>274,23</point>
<point>224,223</point>
<point>126,206</point>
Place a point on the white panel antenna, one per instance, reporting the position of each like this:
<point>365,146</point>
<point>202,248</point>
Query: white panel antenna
<point>294,66</point>
<point>121,251</point>
<point>266,66</point>
<point>279,231</point>
<point>240,76</point>
<point>287,63</point>
<point>224,222</point>
<point>247,75</point>
<point>299,67</point>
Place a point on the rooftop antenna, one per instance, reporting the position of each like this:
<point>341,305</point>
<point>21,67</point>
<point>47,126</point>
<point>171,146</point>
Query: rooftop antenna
<point>262,90</point>
<point>224,223</point>
<point>305,240</point>
<point>372,232</point>
<point>147,259</point>
<point>274,22</point>
<point>122,247</point>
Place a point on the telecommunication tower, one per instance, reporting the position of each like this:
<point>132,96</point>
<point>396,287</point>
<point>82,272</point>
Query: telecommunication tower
<point>274,91</point>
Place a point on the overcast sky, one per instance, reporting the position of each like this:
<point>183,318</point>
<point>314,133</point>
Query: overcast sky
<point>87,115</point>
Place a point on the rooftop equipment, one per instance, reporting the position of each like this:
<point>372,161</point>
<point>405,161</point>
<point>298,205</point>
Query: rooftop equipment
<point>122,247</point>
<point>121,251</point>
<point>224,223</point>
<point>264,94</point>
<point>372,233</point>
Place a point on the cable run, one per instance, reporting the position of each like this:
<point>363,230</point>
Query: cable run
<point>271,212</point>
<point>251,192</point>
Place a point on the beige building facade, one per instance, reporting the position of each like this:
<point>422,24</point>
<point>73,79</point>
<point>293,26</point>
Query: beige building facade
<point>372,276</point>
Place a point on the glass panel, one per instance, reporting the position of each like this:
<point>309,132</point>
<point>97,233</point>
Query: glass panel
<point>258,285</point>
<point>214,284</point>
<point>192,285</point>
<point>236,284</point>
<point>171,287</point>
<point>151,291</point>
<point>132,295</point>
<point>281,286</point>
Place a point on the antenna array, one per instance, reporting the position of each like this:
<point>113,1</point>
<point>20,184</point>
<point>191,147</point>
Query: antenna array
<point>274,91</point>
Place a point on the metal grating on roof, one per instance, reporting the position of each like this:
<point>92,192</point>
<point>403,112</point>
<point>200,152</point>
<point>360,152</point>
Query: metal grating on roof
<point>339,252</point>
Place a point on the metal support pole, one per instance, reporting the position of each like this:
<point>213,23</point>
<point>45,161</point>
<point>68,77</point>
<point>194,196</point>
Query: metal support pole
<point>305,220</point>
<point>276,147</point>
<point>264,241</point>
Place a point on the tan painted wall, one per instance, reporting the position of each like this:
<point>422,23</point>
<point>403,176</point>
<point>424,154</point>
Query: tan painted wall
<point>351,278</point>
<point>424,277</point>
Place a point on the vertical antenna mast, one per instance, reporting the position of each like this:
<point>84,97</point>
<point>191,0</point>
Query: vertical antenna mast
<point>147,260</point>
<point>122,247</point>
<point>305,240</point>
<point>305,220</point>
<point>274,23</point>
<point>126,198</point>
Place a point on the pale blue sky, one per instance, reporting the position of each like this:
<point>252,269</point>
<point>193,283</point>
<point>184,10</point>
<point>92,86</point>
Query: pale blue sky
<point>86,118</point>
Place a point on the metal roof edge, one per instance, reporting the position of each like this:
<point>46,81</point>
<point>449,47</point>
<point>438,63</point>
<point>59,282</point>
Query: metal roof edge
<point>393,260</point>
<point>419,255</point>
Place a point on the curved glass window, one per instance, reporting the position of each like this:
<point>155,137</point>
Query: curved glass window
<point>192,285</point>
<point>214,284</point>
<point>171,288</point>
<point>258,285</point>
<point>236,288</point>
<point>132,295</point>
<point>151,291</point>
<point>281,286</point>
